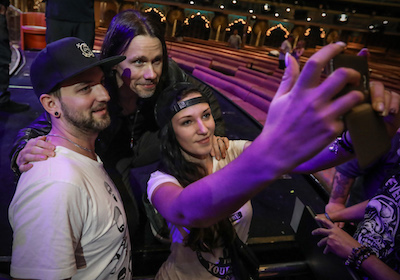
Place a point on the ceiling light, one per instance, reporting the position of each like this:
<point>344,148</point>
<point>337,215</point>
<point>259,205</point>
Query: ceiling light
<point>323,14</point>
<point>251,11</point>
<point>343,18</point>
<point>267,7</point>
<point>234,1</point>
<point>385,22</point>
<point>288,9</point>
<point>308,19</point>
<point>191,2</point>
<point>276,14</point>
<point>222,7</point>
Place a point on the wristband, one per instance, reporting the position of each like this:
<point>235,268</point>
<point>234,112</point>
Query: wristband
<point>342,142</point>
<point>358,255</point>
<point>327,216</point>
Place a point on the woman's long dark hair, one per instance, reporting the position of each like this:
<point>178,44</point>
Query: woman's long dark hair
<point>174,163</point>
<point>123,28</point>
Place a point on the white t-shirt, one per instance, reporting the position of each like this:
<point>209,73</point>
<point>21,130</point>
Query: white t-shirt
<point>235,41</point>
<point>69,221</point>
<point>285,47</point>
<point>183,263</point>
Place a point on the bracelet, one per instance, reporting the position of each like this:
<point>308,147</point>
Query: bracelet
<point>358,255</point>
<point>327,216</point>
<point>345,143</point>
<point>342,142</point>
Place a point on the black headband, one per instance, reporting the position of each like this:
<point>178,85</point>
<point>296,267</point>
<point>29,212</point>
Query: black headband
<point>175,108</point>
<point>169,102</point>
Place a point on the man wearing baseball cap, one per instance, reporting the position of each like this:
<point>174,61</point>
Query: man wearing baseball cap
<point>67,216</point>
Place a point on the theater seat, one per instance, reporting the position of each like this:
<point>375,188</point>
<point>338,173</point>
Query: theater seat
<point>33,30</point>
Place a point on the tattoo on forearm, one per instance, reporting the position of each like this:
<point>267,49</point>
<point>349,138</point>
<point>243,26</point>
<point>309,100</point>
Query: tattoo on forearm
<point>341,186</point>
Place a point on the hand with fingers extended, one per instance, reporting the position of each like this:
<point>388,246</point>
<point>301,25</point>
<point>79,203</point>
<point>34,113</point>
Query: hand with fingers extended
<point>307,110</point>
<point>335,239</point>
<point>37,149</point>
<point>219,147</point>
<point>320,95</point>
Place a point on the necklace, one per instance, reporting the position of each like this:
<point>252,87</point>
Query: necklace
<point>72,142</point>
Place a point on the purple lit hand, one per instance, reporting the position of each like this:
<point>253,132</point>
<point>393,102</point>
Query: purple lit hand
<point>307,110</point>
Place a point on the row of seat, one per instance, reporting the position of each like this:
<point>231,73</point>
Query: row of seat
<point>249,81</point>
<point>224,59</point>
<point>242,89</point>
<point>33,30</point>
<point>191,54</point>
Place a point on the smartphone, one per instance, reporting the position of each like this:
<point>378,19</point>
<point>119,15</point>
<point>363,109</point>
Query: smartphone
<point>358,63</point>
<point>367,129</point>
<point>313,214</point>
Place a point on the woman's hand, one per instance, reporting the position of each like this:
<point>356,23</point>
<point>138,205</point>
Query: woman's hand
<point>306,115</point>
<point>37,149</point>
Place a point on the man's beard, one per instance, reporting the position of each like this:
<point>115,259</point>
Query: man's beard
<point>84,122</point>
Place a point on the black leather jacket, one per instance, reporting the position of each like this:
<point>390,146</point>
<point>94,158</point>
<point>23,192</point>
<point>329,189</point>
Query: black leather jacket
<point>134,136</point>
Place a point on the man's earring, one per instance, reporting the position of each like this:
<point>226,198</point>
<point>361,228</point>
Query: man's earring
<point>56,114</point>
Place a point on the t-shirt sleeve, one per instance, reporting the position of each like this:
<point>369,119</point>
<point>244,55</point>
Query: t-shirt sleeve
<point>350,169</point>
<point>47,220</point>
<point>237,146</point>
<point>235,149</point>
<point>157,178</point>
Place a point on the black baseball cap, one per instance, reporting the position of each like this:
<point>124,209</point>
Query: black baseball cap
<point>64,59</point>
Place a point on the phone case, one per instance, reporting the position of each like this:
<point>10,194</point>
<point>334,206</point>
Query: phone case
<point>367,129</point>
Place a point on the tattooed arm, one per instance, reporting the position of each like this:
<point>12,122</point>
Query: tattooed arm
<point>340,191</point>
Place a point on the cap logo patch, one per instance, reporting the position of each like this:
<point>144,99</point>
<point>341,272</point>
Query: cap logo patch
<point>84,48</point>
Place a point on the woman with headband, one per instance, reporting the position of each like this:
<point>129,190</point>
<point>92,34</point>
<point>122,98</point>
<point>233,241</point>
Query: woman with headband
<point>187,128</point>
<point>205,201</point>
